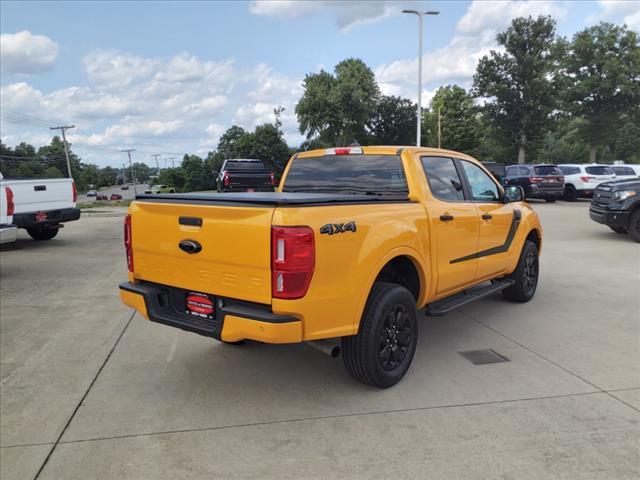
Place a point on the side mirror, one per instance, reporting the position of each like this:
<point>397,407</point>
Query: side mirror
<point>513,193</point>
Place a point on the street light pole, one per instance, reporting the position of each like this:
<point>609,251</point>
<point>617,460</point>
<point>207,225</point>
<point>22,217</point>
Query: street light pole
<point>419,119</point>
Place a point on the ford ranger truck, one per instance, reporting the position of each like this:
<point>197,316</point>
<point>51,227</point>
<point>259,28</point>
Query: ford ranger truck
<point>355,241</point>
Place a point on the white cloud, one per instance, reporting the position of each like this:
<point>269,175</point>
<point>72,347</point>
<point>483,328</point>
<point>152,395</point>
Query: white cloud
<point>618,11</point>
<point>497,15</point>
<point>110,68</point>
<point>347,13</point>
<point>26,53</point>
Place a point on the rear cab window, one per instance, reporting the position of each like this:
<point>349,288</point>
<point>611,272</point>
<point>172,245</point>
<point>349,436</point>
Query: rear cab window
<point>239,165</point>
<point>348,174</point>
<point>599,170</point>
<point>443,178</point>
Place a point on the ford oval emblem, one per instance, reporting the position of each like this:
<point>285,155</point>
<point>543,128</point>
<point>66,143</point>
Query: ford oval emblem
<point>190,246</point>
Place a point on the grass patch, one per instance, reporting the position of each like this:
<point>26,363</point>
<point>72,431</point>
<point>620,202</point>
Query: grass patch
<point>102,204</point>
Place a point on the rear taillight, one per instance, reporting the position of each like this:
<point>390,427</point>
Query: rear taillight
<point>225,179</point>
<point>292,261</point>
<point>587,179</point>
<point>272,178</point>
<point>127,242</point>
<point>10,205</point>
<point>536,179</point>
<point>74,191</point>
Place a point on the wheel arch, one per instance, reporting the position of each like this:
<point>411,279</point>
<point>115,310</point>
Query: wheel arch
<point>404,266</point>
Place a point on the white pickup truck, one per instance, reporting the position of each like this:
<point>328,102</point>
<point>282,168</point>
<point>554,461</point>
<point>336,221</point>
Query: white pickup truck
<point>41,205</point>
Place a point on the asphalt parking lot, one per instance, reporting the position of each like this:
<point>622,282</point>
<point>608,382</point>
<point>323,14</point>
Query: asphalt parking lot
<point>90,391</point>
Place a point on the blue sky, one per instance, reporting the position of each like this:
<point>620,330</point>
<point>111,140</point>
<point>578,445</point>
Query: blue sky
<point>170,77</point>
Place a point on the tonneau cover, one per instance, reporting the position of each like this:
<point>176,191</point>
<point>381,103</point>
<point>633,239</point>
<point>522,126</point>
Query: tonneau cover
<point>268,198</point>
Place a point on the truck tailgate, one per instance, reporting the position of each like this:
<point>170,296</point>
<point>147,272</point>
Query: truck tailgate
<point>41,194</point>
<point>235,259</point>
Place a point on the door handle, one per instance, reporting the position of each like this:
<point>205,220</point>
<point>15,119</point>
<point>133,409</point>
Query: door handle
<point>446,218</point>
<point>487,216</point>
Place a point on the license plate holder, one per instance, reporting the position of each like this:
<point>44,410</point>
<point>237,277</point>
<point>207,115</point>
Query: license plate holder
<point>199,304</point>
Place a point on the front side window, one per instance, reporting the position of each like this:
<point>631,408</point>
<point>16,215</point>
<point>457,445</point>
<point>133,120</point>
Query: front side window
<point>483,189</point>
<point>443,178</point>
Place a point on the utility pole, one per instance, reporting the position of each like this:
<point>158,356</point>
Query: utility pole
<point>156,156</point>
<point>133,175</point>
<point>124,174</point>
<point>64,128</point>
<point>419,120</point>
<point>173,163</point>
<point>439,129</point>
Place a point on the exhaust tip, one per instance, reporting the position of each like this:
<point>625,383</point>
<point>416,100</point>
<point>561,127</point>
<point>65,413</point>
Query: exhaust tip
<point>328,347</point>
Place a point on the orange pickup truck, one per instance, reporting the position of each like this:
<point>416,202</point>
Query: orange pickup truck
<point>355,241</point>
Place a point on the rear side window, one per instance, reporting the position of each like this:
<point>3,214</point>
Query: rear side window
<point>623,170</point>
<point>443,178</point>
<point>370,174</point>
<point>524,171</point>
<point>231,165</point>
<point>512,171</point>
<point>599,170</point>
<point>546,170</point>
<point>570,170</point>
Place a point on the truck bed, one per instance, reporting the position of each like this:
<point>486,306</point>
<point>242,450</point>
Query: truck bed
<point>269,199</point>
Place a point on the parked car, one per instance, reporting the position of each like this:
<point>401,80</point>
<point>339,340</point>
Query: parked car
<point>580,180</point>
<point>160,189</point>
<point>92,193</point>
<point>538,181</point>
<point>355,241</point>
<point>245,175</point>
<point>102,196</point>
<point>42,205</point>
<point>8,231</point>
<point>115,196</point>
<point>617,205</point>
<point>625,172</point>
<point>498,170</point>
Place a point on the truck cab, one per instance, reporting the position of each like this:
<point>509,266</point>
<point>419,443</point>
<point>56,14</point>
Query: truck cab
<point>355,241</point>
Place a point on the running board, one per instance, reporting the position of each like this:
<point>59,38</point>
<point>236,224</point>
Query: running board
<point>444,306</point>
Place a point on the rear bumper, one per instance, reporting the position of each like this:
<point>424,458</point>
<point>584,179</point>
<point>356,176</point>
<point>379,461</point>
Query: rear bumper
<point>611,218</point>
<point>8,233</point>
<point>234,320</point>
<point>537,192</point>
<point>54,218</point>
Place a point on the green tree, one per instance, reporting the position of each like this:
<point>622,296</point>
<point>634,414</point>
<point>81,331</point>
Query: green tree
<point>335,109</point>
<point>107,176</point>
<point>266,143</point>
<point>228,147</point>
<point>142,172</point>
<point>197,175</point>
<point>519,82</point>
<point>393,122</point>
<point>601,74</point>
<point>54,152</point>
<point>460,124</point>
<point>627,146</point>
<point>172,176</point>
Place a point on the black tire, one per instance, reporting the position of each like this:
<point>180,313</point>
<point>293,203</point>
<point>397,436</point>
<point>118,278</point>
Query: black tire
<point>382,351</point>
<point>618,229</point>
<point>525,276</point>
<point>550,200</point>
<point>42,233</point>
<point>570,193</point>
<point>634,225</point>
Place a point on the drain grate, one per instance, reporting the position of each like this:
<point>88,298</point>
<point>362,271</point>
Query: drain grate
<point>482,357</point>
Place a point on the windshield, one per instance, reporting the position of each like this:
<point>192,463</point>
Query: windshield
<point>547,170</point>
<point>244,165</point>
<point>599,170</point>
<point>351,174</point>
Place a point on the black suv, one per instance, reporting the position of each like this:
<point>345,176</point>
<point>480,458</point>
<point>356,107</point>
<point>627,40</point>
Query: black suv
<point>617,205</point>
<point>538,181</point>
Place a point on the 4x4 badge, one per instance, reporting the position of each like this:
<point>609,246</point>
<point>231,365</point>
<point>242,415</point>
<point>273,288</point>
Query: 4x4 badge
<point>331,228</point>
